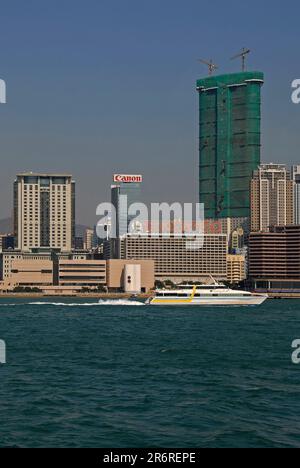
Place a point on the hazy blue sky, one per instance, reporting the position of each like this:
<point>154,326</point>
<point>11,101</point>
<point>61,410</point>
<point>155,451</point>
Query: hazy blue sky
<point>105,86</point>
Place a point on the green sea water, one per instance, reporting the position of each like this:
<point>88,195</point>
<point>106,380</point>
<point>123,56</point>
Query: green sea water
<point>86,374</point>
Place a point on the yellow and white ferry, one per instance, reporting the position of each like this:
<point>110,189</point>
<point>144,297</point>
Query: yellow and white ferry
<point>205,295</point>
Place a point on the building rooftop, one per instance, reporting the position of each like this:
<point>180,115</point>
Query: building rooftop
<point>42,174</point>
<point>230,79</point>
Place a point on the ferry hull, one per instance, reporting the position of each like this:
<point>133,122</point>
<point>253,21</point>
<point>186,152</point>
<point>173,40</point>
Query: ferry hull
<point>254,300</point>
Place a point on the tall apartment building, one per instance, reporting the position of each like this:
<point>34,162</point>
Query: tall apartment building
<point>296,180</point>
<point>173,260</point>
<point>271,197</point>
<point>229,142</point>
<point>44,211</point>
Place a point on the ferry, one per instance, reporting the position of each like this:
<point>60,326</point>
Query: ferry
<point>206,295</point>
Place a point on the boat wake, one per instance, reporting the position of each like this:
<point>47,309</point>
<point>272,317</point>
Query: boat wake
<point>102,302</point>
<point>120,302</point>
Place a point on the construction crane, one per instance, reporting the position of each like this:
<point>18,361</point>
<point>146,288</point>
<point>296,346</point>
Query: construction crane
<point>243,56</point>
<point>211,66</point>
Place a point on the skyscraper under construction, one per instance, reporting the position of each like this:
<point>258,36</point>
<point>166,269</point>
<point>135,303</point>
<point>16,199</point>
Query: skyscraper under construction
<point>230,142</point>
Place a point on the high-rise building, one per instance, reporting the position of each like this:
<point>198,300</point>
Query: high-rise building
<point>129,186</point>
<point>296,180</point>
<point>44,211</point>
<point>230,142</point>
<point>271,197</point>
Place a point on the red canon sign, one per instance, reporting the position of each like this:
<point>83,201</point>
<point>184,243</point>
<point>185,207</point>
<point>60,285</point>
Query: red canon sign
<point>128,179</point>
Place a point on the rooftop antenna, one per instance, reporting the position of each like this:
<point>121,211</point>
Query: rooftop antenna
<point>211,66</point>
<point>243,55</point>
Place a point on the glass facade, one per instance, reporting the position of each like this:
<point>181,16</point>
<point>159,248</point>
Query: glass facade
<point>133,193</point>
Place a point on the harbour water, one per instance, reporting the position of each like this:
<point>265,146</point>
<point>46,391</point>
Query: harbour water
<point>84,374</point>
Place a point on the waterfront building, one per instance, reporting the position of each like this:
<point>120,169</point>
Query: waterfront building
<point>296,180</point>
<point>11,256</point>
<point>44,211</point>
<point>84,273</point>
<point>62,273</point>
<point>31,273</point>
<point>274,258</point>
<point>131,275</point>
<point>173,260</point>
<point>229,142</point>
<point>271,197</point>
<point>38,255</point>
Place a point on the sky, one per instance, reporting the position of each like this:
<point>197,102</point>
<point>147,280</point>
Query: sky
<point>98,87</point>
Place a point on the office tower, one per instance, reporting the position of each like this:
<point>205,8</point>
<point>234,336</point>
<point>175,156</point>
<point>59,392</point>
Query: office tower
<point>296,180</point>
<point>271,197</point>
<point>229,142</point>
<point>44,211</point>
<point>130,186</point>
<point>274,259</point>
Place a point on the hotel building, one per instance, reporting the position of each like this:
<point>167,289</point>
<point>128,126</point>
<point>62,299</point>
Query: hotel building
<point>44,211</point>
<point>173,260</point>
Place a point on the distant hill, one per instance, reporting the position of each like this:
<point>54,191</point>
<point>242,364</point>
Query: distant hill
<point>6,227</point>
